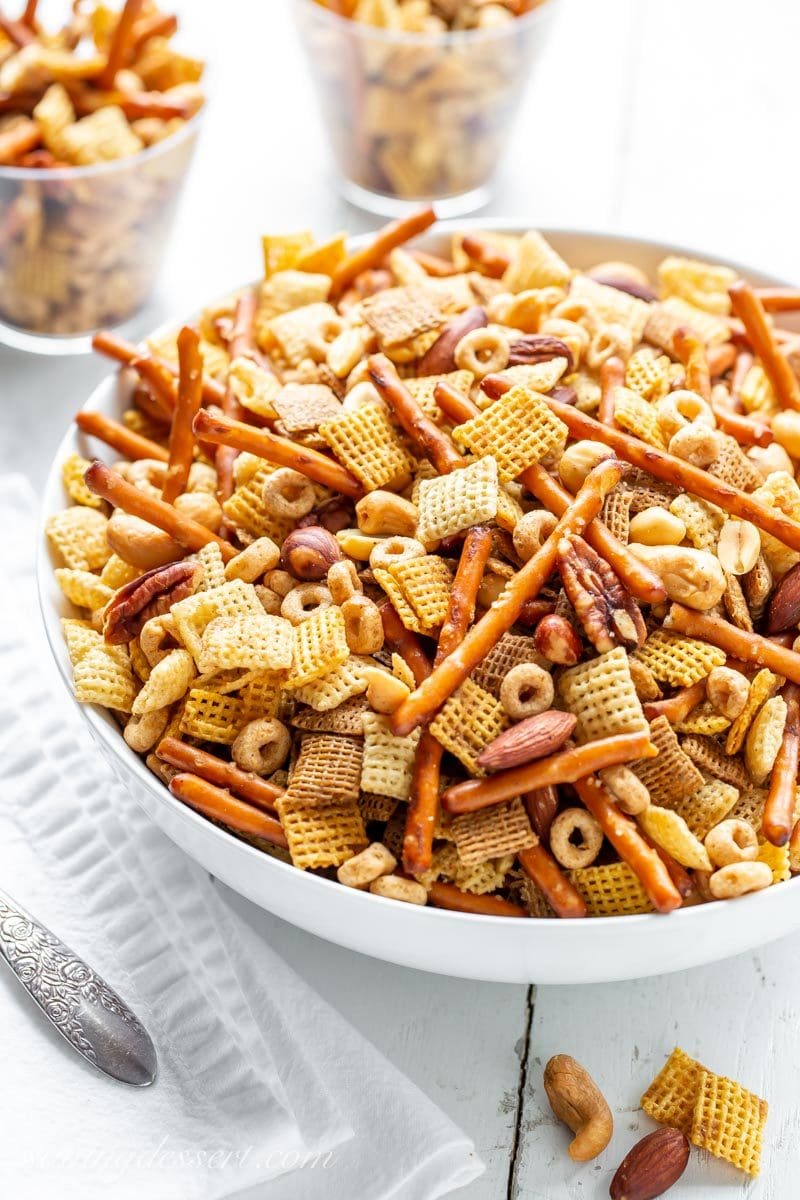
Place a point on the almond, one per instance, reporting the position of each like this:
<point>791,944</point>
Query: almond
<point>532,738</point>
<point>440,358</point>
<point>784,607</point>
<point>651,1167</point>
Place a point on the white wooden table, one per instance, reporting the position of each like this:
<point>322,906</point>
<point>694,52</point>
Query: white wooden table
<point>670,119</point>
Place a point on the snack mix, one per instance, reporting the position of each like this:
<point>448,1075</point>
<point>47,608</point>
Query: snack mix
<point>79,249</point>
<point>419,96</point>
<point>471,579</point>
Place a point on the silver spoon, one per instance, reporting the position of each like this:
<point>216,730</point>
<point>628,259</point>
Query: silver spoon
<point>81,1005</point>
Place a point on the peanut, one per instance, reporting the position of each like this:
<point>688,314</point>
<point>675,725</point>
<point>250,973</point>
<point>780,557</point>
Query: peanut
<point>739,546</point>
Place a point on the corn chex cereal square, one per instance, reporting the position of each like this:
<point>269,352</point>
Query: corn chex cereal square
<point>647,374</point>
<point>282,250</point>
<point>450,503</point>
<point>425,582</point>
<point>321,837</point>
<point>669,831</point>
<point>258,643</point>
<point>260,694</point>
<point>78,534</point>
<point>212,717</point>
<point>713,329</point>
<point>704,720</point>
<point>468,722</point>
<point>707,806</point>
<point>246,509</point>
<point>602,696</point>
<point>728,1121</point>
<point>777,859</point>
<point>72,475</point>
<point>388,760</point>
<point>233,600</point>
<point>779,491</point>
<point>334,688</point>
<point>671,774</point>
<point>700,283</point>
<point>679,661</point>
<point>327,770</point>
<point>82,588</point>
<point>116,573</point>
<point>369,445</point>
<point>210,559</point>
<point>102,678</point>
<point>481,878</point>
<point>490,832</point>
<point>319,646</point>
<point>637,416</point>
<point>671,1097</point>
<point>103,135</point>
<point>394,592</point>
<point>611,890</point>
<point>298,331</point>
<point>518,430</point>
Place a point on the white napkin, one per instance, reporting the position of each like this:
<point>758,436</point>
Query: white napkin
<point>257,1075</point>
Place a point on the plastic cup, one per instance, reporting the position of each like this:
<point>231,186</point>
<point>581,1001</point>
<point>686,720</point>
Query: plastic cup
<point>80,247</point>
<point>418,117</point>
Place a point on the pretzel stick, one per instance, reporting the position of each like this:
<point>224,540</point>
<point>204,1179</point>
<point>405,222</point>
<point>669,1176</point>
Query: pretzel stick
<point>155,24</point>
<point>190,395</point>
<point>223,431</point>
<point>221,806</point>
<point>563,767</point>
<point>612,376</point>
<point>630,845</point>
<point>29,15</point>
<point>405,643</point>
<point>418,708</point>
<point>113,346</point>
<point>642,582</point>
<point>778,299</point>
<point>18,140</point>
<point>679,473</point>
<point>447,895</point>
<point>118,437</point>
<point>493,261</point>
<point>691,351</point>
<point>750,648</point>
<point>88,100</point>
<point>744,361</point>
<point>18,33</point>
<point>678,707</point>
<point>160,382</point>
<point>721,358</point>
<point>386,240</point>
<point>187,533</point>
<point>142,398</point>
<point>120,42</point>
<point>433,265</point>
<point>750,311</point>
<point>241,343</point>
<point>748,431</point>
<point>424,798</point>
<point>428,438</point>
<point>215,770</point>
<point>777,822</point>
<point>562,896</point>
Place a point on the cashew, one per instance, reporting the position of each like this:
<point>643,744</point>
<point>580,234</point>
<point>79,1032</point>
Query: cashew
<point>139,543</point>
<point>577,1101</point>
<point>692,577</point>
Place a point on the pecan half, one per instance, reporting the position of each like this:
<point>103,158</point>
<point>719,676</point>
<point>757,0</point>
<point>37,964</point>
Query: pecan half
<point>440,358</point>
<point>609,615</point>
<point>151,595</point>
<point>536,348</point>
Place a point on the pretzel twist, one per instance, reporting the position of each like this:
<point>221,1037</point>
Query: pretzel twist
<point>750,312</point>
<point>562,896</point>
<point>421,705</point>
<point>642,583</point>
<point>424,798</point>
<point>187,533</point>
<point>750,648</point>
<point>428,438</point>
<point>223,774</point>
<point>612,377</point>
<point>127,443</point>
<point>691,351</point>
<point>564,767</point>
<point>447,895</point>
<point>779,808</point>
<point>386,240</point>
<point>630,845</point>
<point>126,353</point>
<point>220,805</point>
<point>190,395</point>
<point>120,42</point>
<point>223,431</point>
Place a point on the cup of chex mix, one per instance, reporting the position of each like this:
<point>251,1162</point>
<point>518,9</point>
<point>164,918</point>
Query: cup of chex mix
<point>418,96</point>
<point>98,123</point>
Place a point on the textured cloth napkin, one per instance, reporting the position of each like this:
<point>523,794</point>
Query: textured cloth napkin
<point>260,1082</point>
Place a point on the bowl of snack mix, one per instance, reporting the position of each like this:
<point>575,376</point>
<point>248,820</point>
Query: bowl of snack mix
<point>418,97</point>
<point>98,123</point>
<point>439,592</point>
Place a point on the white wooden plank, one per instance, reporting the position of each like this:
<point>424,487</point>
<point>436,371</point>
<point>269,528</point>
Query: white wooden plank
<point>457,1039</point>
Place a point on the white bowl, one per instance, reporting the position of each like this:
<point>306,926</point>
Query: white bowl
<point>472,947</point>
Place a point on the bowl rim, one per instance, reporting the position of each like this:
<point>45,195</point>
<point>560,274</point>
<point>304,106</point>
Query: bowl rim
<point>190,128</point>
<point>450,37</point>
<point>701,916</point>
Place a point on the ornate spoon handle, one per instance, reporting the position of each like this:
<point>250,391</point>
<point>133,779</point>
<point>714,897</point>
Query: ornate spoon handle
<point>81,1005</point>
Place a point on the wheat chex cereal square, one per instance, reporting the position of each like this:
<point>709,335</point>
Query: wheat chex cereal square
<point>327,770</point>
<point>502,829</point>
<point>671,774</point>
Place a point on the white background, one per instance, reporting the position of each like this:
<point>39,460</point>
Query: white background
<point>675,120</point>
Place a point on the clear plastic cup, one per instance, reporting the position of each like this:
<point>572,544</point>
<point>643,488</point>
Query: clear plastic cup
<point>418,117</point>
<point>80,247</point>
